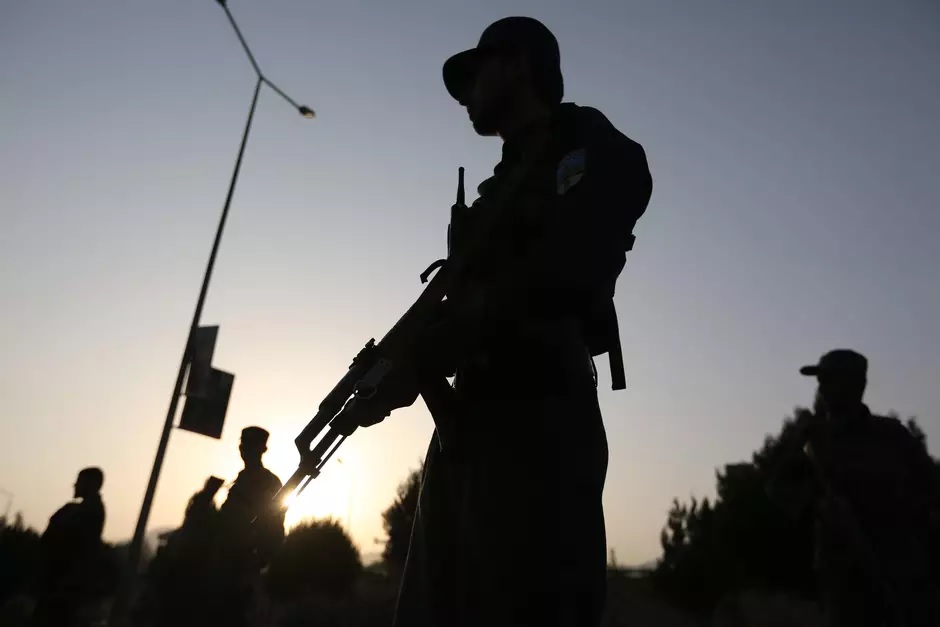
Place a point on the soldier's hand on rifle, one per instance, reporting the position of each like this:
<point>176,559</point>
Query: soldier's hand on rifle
<point>436,354</point>
<point>399,388</point>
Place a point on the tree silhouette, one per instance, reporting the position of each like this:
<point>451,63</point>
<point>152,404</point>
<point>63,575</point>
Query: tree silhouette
<point>397,521</point>
<point>317,558</point>
<point>20,555</point>
<point>739,542</point>
<point>915,430</point>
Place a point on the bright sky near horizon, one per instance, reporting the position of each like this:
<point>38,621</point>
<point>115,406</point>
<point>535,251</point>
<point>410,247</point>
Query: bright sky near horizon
<point>793,147</point>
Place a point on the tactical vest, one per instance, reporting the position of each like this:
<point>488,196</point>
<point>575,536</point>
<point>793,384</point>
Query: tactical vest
<point>597,313</point>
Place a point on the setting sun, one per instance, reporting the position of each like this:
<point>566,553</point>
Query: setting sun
<point>329,495</point>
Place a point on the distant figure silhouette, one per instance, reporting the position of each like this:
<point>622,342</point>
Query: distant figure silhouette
<point>71,546</point>
<point>208,570</point>
<point>201,511</point>
<point>874,487</point>
<point>510,523</point>
<point>251,529</point>
<point>181,572</point>
<point>251,495</point>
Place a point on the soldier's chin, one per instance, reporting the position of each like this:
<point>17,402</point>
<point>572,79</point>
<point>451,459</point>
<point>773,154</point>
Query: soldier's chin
<point>485,126</point>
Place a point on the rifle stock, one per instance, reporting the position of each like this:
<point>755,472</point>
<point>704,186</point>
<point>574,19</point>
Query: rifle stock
<point>341,411</point>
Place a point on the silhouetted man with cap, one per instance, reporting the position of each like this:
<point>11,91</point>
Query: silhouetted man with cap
<point>71,545</point>
<point>874,487</point>
<point>251,529</point>
<point>510,525</point>
<point>254,488</point>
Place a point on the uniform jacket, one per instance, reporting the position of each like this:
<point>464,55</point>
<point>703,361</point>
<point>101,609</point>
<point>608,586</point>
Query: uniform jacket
<point>552,272</point>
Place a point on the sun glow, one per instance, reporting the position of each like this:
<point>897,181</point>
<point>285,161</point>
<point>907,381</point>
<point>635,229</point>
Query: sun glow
<point>329,495</point>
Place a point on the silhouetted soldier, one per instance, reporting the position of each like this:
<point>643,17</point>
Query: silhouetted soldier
<point>248,506</point>
<point>874,487</point>
<point>180,575</point>
<point>71,546</point>
<point>201,511</point>
<point>251,529</point>
<point>510,525</point>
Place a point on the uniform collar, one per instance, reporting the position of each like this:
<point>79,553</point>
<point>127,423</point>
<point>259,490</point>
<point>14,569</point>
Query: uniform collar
<point>561,122</point>
<point>860,419</point>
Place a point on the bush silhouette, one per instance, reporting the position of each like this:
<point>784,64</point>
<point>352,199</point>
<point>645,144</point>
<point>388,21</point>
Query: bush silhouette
<point>741,541</point>
<point>20,558</point>
<point>317,558</point>
<point>397,521</point>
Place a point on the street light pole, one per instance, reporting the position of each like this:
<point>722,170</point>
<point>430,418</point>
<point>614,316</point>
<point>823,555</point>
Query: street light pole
<point>137,543</point>
<point>304,111</point>
<point>135,549</point>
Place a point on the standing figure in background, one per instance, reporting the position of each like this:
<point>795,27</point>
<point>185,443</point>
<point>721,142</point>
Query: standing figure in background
<point>249,510</point>
<point>201,510</point>
<point>180,574</point>
<point>71,547</point>
<point>251,529</point>
<point>873,487</point>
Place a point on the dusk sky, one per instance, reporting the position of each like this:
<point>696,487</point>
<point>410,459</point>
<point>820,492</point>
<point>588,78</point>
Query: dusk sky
<point>796,208</point>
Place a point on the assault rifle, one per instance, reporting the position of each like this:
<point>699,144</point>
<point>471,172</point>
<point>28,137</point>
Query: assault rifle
<point>347,405</point>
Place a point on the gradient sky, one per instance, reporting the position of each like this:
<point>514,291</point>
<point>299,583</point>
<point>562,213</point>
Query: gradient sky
<point>793,147</point>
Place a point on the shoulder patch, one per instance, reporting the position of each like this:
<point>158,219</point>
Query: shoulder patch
<point>570,170</point>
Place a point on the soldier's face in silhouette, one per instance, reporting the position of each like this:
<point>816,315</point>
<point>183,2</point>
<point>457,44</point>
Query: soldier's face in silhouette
<point>489,96</point>
<point>83,486</point>
<point>840,393</point>
<point>251,453</point>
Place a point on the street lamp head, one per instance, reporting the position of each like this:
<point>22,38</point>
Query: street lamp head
<point>307,112</point>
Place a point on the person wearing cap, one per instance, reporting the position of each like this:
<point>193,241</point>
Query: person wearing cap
<point>254,488</point>
<point>251,529</point>
<point>249,506</point>
<point>510,525</point>
<point>875,493</point>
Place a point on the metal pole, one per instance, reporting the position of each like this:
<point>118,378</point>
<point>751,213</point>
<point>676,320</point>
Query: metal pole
<point>136,546</point>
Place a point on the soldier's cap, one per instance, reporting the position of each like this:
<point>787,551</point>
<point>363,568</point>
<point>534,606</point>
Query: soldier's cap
<point>523,34</point>
<point>842,361</point>
<point>255,435</point>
